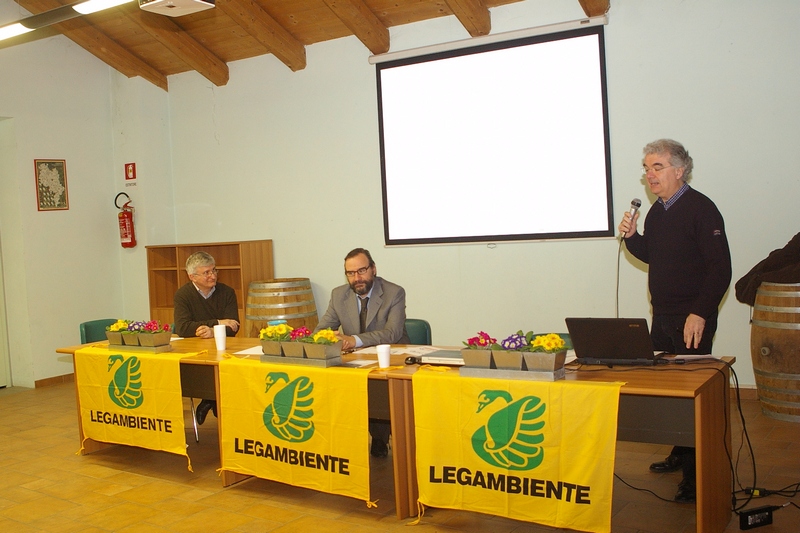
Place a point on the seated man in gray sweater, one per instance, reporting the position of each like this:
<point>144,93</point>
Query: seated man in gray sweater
<point>200,305</point>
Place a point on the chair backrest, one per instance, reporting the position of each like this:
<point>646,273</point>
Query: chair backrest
<point>419,331</point>
<point>95,330</point>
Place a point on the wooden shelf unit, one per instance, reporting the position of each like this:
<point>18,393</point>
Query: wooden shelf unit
<point>239,264</point>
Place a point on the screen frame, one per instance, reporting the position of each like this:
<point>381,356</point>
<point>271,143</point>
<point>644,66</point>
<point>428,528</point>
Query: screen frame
<point>609,231</point>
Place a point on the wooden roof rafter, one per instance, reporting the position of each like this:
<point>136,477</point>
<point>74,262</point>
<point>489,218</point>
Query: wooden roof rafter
<point>153,46</point>
<point>94,41</point>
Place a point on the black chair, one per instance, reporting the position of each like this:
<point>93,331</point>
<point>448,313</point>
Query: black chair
<point>95,330</point>
<point>419,331</point>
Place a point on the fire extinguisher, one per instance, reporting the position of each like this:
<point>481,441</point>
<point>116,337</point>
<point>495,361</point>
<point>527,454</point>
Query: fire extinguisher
<point>127,233</point>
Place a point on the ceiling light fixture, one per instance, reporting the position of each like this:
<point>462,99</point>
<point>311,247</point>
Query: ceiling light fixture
<point>54,16</point>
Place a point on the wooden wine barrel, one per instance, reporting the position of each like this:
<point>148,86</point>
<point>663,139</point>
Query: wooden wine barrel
<point>775,349</point>
<point>288,299</point>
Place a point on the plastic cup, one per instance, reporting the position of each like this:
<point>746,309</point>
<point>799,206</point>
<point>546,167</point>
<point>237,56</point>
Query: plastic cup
<point>220,336</point>
<point>384,355</point>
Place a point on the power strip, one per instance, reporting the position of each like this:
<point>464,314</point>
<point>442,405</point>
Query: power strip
<point>752,518</point>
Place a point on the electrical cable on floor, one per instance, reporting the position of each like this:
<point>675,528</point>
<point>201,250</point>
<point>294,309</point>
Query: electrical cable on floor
<point>750,492</point>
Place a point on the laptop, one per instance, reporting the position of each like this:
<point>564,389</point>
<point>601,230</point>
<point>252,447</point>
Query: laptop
<point>612,341</point>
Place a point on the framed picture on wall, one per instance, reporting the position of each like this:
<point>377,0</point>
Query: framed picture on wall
<point>51,184</point>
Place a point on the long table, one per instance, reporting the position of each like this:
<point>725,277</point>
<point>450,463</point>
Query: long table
<point>679,405</point>
<point>200,379</point>
<point>686,405</point>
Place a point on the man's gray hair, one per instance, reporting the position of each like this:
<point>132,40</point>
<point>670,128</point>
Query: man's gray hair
<point>678,155</point>
<point>199,259</point>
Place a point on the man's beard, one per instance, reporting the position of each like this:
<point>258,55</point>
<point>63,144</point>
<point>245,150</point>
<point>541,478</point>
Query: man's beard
<point>363,289</point>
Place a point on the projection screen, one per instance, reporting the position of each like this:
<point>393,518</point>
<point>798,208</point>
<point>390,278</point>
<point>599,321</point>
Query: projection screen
<point>506,141</point>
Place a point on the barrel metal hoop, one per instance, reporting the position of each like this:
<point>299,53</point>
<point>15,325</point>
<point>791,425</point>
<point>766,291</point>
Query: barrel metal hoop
<point>774,390</point>
<point>776,325</point>
<point>780,403</point>
<point>776,415</point>
<point>776,309</point>
<point>287,305</point>
<point>280,317</point>
<point>776,375</point>
<point>782,294</point>
<point>280,293</point>
<point>278,284</point>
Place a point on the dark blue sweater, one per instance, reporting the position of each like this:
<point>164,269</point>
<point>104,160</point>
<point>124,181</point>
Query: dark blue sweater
<point>687,250</point>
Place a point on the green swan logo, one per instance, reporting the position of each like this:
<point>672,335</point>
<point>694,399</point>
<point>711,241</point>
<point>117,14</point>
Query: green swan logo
<point>510,438</point>
<point>289,415</point>
<point>125,388</point>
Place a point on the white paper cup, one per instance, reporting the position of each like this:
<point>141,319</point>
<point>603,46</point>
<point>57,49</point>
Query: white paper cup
<point>220,336</point>
<point>384,353</point>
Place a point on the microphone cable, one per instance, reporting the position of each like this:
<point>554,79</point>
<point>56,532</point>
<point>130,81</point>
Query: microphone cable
<point>616,290</point>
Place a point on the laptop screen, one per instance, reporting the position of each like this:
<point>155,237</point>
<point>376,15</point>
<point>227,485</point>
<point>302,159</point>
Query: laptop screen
<point>611,341</point>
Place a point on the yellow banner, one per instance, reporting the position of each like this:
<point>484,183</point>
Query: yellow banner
<point>301,425</point>
<point>131,398</point>
<point>529,450</point>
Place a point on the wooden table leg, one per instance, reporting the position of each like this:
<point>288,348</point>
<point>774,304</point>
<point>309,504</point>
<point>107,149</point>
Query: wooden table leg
<point>712,436</point>
<point>401,404</point>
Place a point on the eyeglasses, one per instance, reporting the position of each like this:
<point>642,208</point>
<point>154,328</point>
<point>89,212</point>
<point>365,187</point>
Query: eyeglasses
<point>207,273</point>
<point>351,273</point>
<point>656,168</point>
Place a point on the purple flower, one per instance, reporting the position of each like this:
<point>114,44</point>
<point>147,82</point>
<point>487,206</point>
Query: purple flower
<point>514,341</point>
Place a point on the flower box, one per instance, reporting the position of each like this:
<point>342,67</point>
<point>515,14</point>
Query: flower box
<point>155,339</point>
<point>271,347</point>
<point>293,349</point>
<point>507,360</point>
<point>544,362</point>
<point>477,358</point>
<point>323,351</point>
<point>130,338</point>
<point>114,337</point>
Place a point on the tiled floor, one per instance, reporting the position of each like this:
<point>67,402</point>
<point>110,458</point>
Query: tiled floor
<point>46,486</point>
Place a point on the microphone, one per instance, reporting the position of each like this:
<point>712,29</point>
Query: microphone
<point>635,205</point>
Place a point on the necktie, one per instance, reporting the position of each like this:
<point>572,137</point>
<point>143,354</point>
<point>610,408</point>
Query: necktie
<point>362,317</point>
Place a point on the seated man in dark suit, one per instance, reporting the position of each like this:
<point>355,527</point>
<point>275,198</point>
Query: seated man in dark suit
<point>200,305</point>
<point>370,310</point>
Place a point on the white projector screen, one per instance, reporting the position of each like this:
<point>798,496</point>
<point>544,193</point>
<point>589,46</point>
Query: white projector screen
<point>506,141</point>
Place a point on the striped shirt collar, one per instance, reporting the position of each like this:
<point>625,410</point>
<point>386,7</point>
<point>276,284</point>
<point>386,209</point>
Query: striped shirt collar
<point>674,198</point>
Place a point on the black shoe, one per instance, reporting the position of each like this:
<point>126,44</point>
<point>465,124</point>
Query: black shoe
<point>672,463</point>
<point>686,491</point>
<point>202,411</point>
<point>379,448</point>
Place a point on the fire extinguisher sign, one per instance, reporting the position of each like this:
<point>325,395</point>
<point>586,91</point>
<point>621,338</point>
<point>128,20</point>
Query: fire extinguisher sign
<point>130,172</point>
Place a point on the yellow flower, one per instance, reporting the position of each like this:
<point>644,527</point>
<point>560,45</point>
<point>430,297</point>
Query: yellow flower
<point>278,332</point>
<point>551,342</point>
<point>326,334</point>
<point>119,325</point>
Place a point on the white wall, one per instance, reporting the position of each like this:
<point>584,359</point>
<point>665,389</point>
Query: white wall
<point>294,157</point>
<point>60,267</point>
<point>297,155</point>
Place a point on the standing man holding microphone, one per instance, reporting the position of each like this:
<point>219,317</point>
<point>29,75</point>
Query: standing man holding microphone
<point>685,246</point>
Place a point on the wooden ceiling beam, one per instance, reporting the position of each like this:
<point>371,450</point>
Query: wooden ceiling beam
<point>99,44</point>
<point>362,22</point>
<point>266,30</point>
<point>183,45</point>
<point>473,15</point>
<point>595,8</point>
